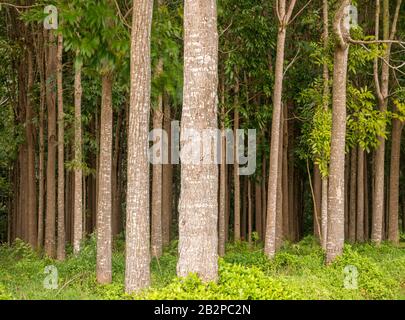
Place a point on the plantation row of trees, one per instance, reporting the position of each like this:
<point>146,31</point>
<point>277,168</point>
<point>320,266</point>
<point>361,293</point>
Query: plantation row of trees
<point>324,93</point>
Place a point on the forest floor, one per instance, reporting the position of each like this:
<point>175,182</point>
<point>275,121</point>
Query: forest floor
<point>297,272</point>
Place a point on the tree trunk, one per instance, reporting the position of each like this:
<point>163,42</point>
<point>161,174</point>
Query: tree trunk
<point>236,177</point>
<point>318,201</point>
<point>156,232</point>
<point>393,218</point>
<point>137,271</point>
<point>258,210</point>
<point>61,154</point>
<point>104,206</point>
<point>50,217</point>
<point>167,180</point>
<point>198,206</point>
<point>360,196</point>
<point>270,240</point>
<point>31,178</point>
<point>353,195</point>
<point>115,182</point>
<point>78,173</point>
<point>336,195</point>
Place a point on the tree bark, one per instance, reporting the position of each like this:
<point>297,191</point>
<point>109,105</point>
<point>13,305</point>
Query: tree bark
<point>156,232</point>
<point>360,196</point>
<point>137,271</point>
<point>167,180</point>
<point>61,154</point>
<point>78,173</point>
<point>31,178</point>
<point>236,177</point>
<point>270,240</point>
<point>50,217</point>
<point>104,206</point>
<point>353,194</point>
<point>393,218</point>
<point>198,205</point>
<point>336,195</point>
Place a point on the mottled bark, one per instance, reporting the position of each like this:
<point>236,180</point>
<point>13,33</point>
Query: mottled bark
<point>137,272</point>
<point>360,196</point>
<point>353,195</point>
<point>317,201</point>
<point>198,205</point>
<point>336,195</point>
<point>78,173</point>
<point>236,177</point>
<point>270,239</point>
<point>156,216</point>
<point>60,252</point>
<point>167,180</point>
<point>393,212</point>
<point>50,216</point>
<point>104,205</point>
<point>31,178</point>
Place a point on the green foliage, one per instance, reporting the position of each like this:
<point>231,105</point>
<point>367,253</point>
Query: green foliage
<point>364,123</point>
<point>298,271</point>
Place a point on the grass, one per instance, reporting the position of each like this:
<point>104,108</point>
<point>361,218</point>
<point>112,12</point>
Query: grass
<point>297,272</point>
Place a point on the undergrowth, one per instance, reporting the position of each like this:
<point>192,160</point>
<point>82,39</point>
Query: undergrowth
<point>297,272</point>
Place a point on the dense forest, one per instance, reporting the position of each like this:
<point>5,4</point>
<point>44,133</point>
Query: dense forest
<point>230,149</point>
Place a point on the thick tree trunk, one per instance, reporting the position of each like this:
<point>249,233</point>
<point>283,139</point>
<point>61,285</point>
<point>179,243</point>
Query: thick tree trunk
<point>198,206</point>
<point>78,173</point>
<point>50,217</point>
<point>336,195</point>
<point>104,206</point>
<point>137,271</point>
<point>61,154</point>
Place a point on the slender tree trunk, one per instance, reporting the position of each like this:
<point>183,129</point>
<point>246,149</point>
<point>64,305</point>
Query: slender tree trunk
<point>353,195</point>
<point>104,206</point>
<point>236,177</point>
<point>223,177</point>
<point>286,220</point>
<point>50,217</point>
<point>382,88</point>
<point>167,180</point>
<point>137,271</point>
<point>78,173</point>
<point>115,182</point>
<point>393,218</point>
<point>336,195</point>
<point>61,154</point>
<point>156,232</point>
<point>258,210</point>
<point>41,161</point>
<point>31,178</point>
<point>360,195</point>
<point>318,201</point>
<point>284,17</point>
<point>279,201</point>
<point>326,99</point>
<point>366,201</point>
<point>198,206</point>
<point>250,209</point>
